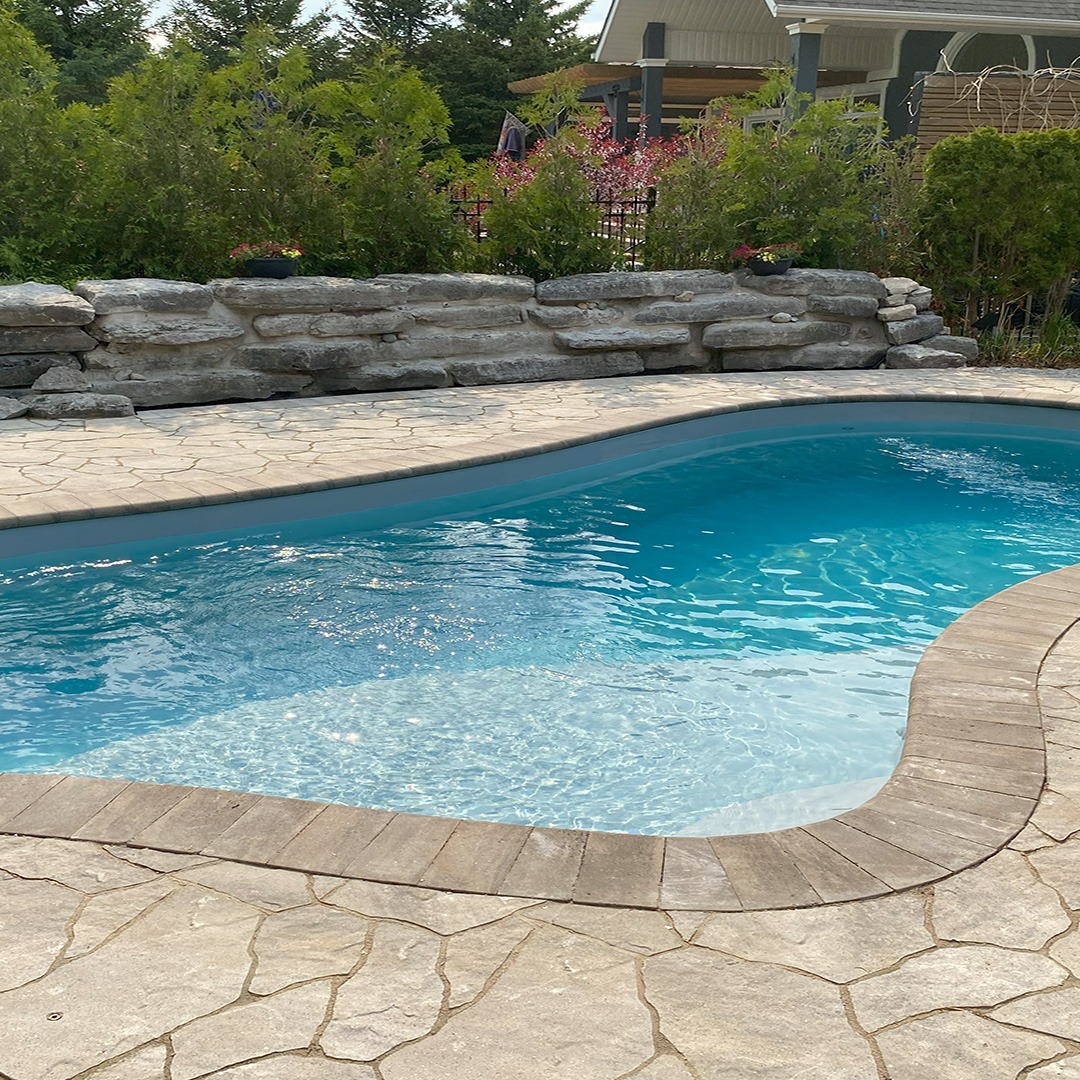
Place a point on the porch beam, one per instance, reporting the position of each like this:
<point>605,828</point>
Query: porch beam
<point>602,91</point>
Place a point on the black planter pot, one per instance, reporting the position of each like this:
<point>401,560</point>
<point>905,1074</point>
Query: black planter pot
<point>282,267</point>
<point>762,268</point>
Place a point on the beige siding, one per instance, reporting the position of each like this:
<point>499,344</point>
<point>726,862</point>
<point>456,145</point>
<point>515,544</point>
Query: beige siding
<point>737,33</point>
<point>958,104</point>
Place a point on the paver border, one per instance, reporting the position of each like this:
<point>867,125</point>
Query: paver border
<point>972,769</point>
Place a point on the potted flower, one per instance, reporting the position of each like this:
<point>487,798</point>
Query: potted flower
<point>766,261</point>
<point>267,258</point>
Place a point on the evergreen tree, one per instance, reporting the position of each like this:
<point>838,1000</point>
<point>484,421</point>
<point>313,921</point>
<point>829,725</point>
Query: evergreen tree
<point>493,43</point>
<point>91,41</point>
<point>216,28</point>
<point>403,24</point>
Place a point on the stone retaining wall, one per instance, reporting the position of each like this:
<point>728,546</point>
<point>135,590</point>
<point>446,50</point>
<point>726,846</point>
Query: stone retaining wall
<point>111,345</point>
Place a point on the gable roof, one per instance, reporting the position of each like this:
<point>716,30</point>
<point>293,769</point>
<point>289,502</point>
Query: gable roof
<point>1030,16</point>
<point>745,33</point>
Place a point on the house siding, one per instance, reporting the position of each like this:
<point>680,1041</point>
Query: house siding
<point>959,104</point>
<point>843,48</point>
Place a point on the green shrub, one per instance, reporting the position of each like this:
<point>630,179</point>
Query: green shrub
<point>1051,342</point>
<point>1001,219</point>
<point>166,193</point>
<point>821,174</point>
<point>263,119</point>
<point>380,129</point>
<point>213,159</point>
<point>182,164</point>
<point>695,222</point>
<point>547,225</point>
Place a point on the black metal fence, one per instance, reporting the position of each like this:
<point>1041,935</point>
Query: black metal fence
<point>469,208</point>
<point>621,220</point>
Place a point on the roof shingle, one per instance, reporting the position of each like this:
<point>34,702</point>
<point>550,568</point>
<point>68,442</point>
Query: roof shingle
<point>1063,11</point>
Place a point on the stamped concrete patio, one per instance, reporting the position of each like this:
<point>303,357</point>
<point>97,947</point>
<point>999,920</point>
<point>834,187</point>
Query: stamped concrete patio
<point>132,963</point>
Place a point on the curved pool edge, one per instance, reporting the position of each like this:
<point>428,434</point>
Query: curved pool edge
<point>972,770</point>
<point>642,403</point>
<point>970,776</point>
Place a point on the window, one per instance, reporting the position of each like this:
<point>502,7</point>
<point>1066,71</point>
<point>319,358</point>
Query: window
<point>977,52</point>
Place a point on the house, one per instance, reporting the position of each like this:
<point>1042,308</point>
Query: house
<point>664,59</point>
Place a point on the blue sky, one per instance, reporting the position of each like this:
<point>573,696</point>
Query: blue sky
<point>594,17</point>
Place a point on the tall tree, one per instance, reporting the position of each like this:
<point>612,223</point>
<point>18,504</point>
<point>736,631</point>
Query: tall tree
<point>216,28</point>
<point>48,166</point>
<point>492,43</point>
<point>91,41</point>
<point>403,24</point>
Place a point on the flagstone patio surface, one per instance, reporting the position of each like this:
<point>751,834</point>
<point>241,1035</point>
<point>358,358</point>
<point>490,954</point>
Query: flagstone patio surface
<point>127,962</point>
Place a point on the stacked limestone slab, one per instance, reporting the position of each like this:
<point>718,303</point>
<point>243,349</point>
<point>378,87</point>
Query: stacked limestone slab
<point>153,343</point>
<point>170,343</point>
<point>915,334</point>
<point>42,339</point>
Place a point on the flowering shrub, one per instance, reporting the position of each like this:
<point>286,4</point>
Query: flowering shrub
<point>611,169</point>
<point>576,204</point>
<point>265,249</point>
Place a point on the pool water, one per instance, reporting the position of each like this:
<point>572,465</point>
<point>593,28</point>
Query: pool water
<point>708,645</point>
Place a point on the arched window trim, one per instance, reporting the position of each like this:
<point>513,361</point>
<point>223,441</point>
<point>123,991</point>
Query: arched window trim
<point>952,50</point>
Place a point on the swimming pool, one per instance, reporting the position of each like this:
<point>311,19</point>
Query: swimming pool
<point>640,654</point>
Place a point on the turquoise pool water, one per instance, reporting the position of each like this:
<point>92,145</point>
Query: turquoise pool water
<point>710,644</point>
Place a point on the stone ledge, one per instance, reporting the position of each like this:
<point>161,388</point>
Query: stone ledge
<point>719,308</point>
<point>544,368</point>
<point>856,307</point>
<point>429,288</point>
<point>910,331</point>
<point>624,286</point>
<point>763,334</point>
<point>145,294</point>
<point>163,388</point>
<point>35,304</point>
<point>923,356</point>
<point>21,341</point>
<point>16,370</point>
<point>620,337</point>
<point>167,329</point>
<point>816,282</point>
<point>307,294</point>
<point>819,356</point>
<point>78,406</point>
<point>469,316</point>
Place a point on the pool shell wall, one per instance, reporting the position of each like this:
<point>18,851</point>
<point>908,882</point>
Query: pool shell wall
<point>972,769</point>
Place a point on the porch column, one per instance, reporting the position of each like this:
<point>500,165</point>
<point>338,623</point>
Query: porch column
<point>652,64</point>
<point>806,55</point>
